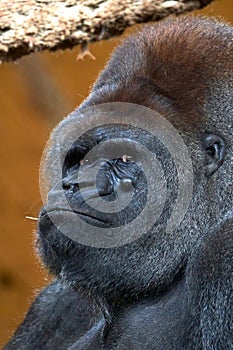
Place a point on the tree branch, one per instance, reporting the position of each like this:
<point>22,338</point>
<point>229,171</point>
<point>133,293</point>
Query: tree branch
<point>34,25</point>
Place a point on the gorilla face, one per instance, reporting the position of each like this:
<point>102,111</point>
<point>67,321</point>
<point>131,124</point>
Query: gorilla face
<point>106,178</point>
<point>109,177</point>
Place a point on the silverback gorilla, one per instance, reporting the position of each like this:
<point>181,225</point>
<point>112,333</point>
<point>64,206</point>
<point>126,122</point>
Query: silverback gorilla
<point>165,290</point>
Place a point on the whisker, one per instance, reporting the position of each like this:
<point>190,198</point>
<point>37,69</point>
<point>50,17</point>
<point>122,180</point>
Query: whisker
<point>31,218</point>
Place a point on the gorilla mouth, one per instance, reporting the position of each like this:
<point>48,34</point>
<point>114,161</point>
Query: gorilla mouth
<point>82,214</point>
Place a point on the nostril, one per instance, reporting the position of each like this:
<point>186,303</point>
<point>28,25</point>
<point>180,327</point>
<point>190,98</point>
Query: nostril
<point>126,184</point>
<point>66,185</point>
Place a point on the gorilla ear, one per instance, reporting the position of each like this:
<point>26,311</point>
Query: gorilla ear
<point>215,150</point>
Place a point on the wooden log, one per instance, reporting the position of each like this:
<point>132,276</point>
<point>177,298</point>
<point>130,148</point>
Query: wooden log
<point>34,25</point>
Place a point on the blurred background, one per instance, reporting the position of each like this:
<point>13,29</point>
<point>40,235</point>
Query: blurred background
<point>35,94</point>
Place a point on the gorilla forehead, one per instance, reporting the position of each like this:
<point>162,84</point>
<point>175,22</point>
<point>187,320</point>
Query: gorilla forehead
<point>176,53</point>
<point>173,68</point>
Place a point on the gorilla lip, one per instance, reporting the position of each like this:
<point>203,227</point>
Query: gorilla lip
<point>80,213</point>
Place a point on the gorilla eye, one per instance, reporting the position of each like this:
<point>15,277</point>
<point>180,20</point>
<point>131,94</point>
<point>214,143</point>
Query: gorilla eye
<point>75,155</point>
<point>126,158</point>
<point>83,161</point>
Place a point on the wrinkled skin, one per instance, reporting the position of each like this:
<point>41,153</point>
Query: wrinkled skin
<point>162,291</point>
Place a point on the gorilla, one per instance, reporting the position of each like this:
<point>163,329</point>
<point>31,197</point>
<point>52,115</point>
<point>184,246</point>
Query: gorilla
<point>146,287</point>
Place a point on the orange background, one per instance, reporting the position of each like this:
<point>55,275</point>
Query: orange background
<point>35,93</point>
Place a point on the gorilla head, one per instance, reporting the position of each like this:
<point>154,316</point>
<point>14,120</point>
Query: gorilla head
<point>182,69</point>
<point>137,224</point>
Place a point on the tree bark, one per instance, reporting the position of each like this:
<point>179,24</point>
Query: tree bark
<point>35,25</point>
